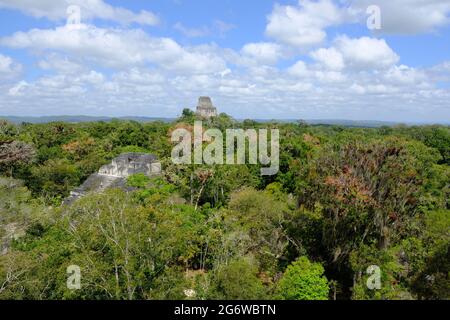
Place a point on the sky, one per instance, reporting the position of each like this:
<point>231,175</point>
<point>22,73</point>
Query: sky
<point>383,60</point>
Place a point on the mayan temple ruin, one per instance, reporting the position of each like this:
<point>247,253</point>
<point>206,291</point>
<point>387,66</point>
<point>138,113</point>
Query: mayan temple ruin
<point>115,174</point>
<point>205,108</point>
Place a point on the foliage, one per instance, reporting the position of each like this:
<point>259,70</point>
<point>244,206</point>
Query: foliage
<point>228,281</point>
<point>345,198</point>
<point>303,280</point>
<point>370,188</point>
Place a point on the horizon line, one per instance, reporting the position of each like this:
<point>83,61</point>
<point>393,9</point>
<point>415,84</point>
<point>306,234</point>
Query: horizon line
<point>127,117</point>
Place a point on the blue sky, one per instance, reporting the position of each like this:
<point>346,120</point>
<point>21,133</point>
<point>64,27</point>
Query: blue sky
<point>307,59</point>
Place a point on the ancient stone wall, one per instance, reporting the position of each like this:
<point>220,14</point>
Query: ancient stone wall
<point>115,174</point>
<point>205,108</point>
<point>131,163</point>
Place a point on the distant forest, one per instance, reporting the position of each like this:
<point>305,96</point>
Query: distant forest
<point>79,119</point>
<point>346,199</point>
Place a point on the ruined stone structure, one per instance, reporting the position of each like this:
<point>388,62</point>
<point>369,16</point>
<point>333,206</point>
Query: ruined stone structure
<point>128,164</point>
<point>115,174</point>
<point>205,108</point>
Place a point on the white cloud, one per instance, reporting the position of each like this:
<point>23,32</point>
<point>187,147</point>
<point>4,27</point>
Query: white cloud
<point>304,25</point>
<point>90,9</point>
<point>407,16</point>
<point>137,76</point>
<point>61,64</point>
<point>320,74</point>
<point>299,69</point>
<point>93,77</point>
<point>329,76</point>
<point>5,64</point>
<point>119,48</point>
<point>331,58</point>
<point>219,28</point>
<point>122,71</point>
<point>8,67</point>
<point>306,90</point>
<point>440,72</point>
<point>366,53</point>
<point>16,90</point>
<point>223,27</point>
<point>192,32</point>
<point>404,75</point>
<point>262,52</point>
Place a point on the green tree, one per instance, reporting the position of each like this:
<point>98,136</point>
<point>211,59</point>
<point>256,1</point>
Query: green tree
<point>394,273</point>
<point>429,257</point>
<point>373,189</point>
<point>237,280</point>
<point>264,218</point>
<point>15,153</point>
<point>303,280</point>
<point>54,179</point>
<point>187,113</point>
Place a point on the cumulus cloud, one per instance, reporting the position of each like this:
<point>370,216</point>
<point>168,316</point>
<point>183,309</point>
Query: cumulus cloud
<point>90,9</point>
<point>119,48</point>
<point>304,90</point>
<point>8,67</point>
<point>440,72</point>
<point>317,73</point>
<point>262,52</point>
<point>294,74</point>
<point>17,89</point>
<point>299,69</point>
<point>406,76</point>
<point>62,64</point>
<point>364,53</point>
<point>5,64</point>
<point>331,58</point>
<point>337,83</point>
<point>407,16</point>
<point>304,25</point>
